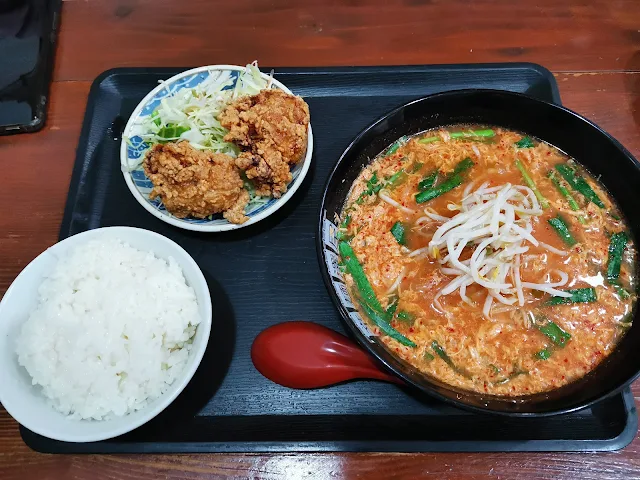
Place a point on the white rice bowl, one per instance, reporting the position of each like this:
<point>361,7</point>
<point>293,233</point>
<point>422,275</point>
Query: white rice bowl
<point>98,335</point>
<point>112,330</point>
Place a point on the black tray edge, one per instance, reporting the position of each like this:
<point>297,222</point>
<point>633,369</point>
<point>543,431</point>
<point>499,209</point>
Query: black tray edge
<point>35,442</point>
<point>539,69</point>
<point>72,191</point>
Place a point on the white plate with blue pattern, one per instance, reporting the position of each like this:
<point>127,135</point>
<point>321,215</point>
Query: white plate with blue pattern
<point>133,148</point>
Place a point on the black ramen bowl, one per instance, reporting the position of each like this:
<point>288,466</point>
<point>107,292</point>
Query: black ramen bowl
<point>601,154</point>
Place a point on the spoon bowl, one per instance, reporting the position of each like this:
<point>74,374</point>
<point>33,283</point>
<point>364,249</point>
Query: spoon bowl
<point>306,355</point>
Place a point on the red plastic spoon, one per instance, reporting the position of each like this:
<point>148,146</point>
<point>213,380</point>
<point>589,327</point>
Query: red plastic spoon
<point>308,355</point>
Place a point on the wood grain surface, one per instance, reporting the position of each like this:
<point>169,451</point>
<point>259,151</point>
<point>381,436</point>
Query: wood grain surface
<point>592,46</point>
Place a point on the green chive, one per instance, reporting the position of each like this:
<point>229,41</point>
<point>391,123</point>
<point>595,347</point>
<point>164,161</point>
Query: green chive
<point>532,185</point>
<point>405,317</point>
<point>525,142</point>
<point>554,333</point>
<point>562,229</point>
<point>384,326</point>
<point>579,184</point>
<point>398,232</point>
<point>617,245</point>
<point>578,295</point>
<point>543,354</point>
<point>428,181</point>
<point>444,187</point>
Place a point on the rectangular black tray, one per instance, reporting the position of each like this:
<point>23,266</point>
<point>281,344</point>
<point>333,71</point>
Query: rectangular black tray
<point>268,273</point>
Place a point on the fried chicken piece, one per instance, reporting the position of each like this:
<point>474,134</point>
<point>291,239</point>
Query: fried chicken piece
<point>270,174</point>
<point>271,128</point>
<point>196,183</point>
<point>272,116</point>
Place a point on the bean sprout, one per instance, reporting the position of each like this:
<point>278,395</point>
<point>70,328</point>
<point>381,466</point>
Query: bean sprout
<point>385,197</point>
<point>397,282</point>
<point>498,220</point>
<point>476,151</point>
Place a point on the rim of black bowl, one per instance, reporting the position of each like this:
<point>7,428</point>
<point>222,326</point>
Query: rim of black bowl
<point>491,404</point>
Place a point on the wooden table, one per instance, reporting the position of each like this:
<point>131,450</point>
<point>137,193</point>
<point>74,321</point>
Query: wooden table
<point>592,46</point>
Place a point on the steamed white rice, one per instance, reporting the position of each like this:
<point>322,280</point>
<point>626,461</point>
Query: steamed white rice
<point>112,330</point>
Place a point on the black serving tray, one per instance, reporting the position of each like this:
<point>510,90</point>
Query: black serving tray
<point>268,273</point>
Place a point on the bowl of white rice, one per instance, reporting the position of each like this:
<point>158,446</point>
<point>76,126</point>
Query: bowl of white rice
<point>100,333</point>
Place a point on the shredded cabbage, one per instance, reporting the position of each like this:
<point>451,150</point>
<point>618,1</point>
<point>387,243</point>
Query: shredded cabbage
<point>193,112</point>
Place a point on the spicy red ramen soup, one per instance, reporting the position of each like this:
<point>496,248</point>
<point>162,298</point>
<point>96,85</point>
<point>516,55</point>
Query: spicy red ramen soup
<point>488,259</point>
